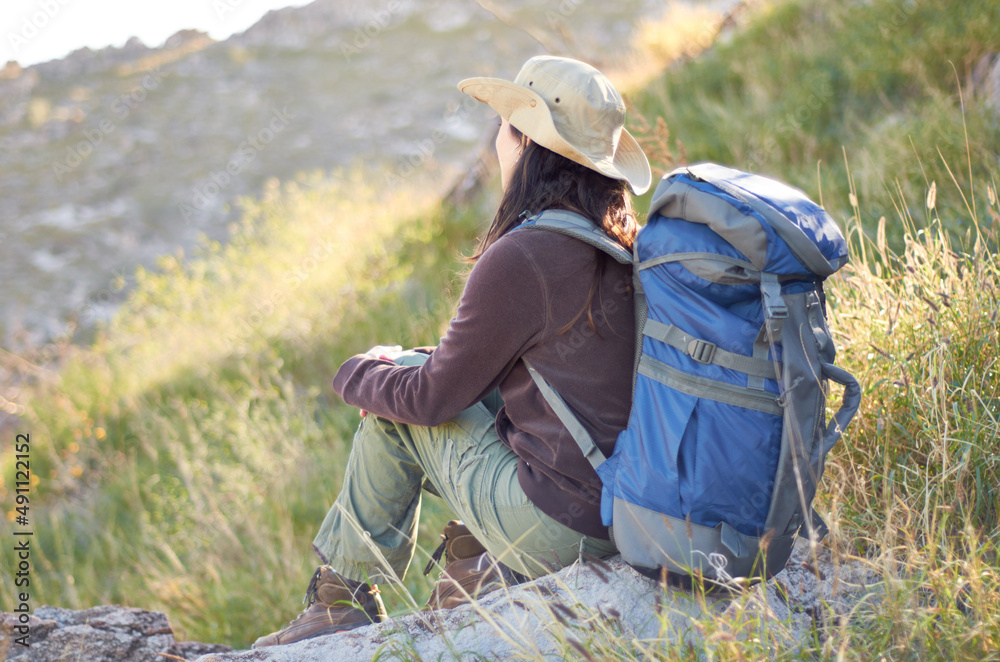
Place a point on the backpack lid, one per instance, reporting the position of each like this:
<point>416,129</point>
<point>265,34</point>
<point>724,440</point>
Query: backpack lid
<point>747,202</point>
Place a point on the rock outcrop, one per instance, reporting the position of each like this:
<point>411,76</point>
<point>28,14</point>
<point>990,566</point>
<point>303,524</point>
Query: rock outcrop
<point>985,82</point>
<point>101,634</point>
<point>544,618</point>
<point>548,617</point>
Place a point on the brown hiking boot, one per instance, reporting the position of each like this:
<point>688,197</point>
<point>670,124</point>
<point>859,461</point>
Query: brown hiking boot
<point>335,604</point>
<point>470,571</point>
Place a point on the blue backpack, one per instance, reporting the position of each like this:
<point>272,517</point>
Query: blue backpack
<point>715,474</point>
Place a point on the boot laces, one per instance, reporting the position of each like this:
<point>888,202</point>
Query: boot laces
<point>436,556</point>
<point>311,594</point>
<point>313,588</point>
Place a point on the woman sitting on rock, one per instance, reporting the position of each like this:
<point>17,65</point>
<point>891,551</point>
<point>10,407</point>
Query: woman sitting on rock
<point>466,422</point>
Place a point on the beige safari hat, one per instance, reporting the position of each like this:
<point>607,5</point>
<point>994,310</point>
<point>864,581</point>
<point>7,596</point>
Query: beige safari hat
<point>571,108</point>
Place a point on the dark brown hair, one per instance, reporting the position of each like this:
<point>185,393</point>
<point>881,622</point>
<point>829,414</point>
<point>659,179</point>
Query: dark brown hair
<point>542,180</point>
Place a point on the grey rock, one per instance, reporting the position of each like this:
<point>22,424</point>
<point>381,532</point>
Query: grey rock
<point>190,650</point>
<point>539,619</point>
<point>536,620</point>
<point>515,622</point>
<point>102,634</point>
<point>991,81</point>
<point>814,591</point>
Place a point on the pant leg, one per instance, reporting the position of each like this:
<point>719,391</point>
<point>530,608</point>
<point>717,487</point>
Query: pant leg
<point>370,532</point>
<point>371,529</point>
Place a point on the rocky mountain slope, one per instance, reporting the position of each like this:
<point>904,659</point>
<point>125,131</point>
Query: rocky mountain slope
<point>111,158</point>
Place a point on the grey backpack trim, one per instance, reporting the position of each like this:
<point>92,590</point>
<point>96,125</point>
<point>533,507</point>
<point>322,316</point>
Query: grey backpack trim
<point>703,387</point>
<point>808,355</point>
<point>709,266</point>
<point>582,228</point>
<point>682,547</point>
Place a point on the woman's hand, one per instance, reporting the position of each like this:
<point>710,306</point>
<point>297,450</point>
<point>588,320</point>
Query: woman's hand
<point>385,351</point>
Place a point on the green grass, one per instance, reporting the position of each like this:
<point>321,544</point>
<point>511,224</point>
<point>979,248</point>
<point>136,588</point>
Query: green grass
<point>912,488</point>
<point>187,456</point>
<point>807,82</point>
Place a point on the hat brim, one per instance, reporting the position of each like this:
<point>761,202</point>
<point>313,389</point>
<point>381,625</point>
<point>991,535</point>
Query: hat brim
<point>528,113</point>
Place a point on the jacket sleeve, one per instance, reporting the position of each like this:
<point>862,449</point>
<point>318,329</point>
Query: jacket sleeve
<point>502,312</point>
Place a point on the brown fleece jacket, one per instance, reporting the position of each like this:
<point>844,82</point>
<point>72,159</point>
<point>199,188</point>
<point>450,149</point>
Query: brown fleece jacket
<point>521,293</point>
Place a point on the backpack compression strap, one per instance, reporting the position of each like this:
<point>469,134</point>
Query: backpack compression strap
<point>703,351</point>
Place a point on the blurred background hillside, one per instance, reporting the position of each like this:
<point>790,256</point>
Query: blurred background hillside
<point>107,157</point>
<point>169,345</point>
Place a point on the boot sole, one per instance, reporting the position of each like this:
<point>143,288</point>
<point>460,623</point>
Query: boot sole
<point>335,630</point>
<point>330,630</point>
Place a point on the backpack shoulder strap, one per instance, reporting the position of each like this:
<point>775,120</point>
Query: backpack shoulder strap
<point>566,417</point>
<point>579,227</point>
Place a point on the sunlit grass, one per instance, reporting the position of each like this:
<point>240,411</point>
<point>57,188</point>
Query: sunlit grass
<point>913,486</point>
<point>186,459</point>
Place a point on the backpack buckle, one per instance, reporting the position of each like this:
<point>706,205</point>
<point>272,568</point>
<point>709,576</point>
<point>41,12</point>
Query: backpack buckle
<point>701,351</point>
<point>774,304</point>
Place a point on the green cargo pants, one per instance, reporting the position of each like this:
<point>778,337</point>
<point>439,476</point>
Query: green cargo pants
<point>370,532</point>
